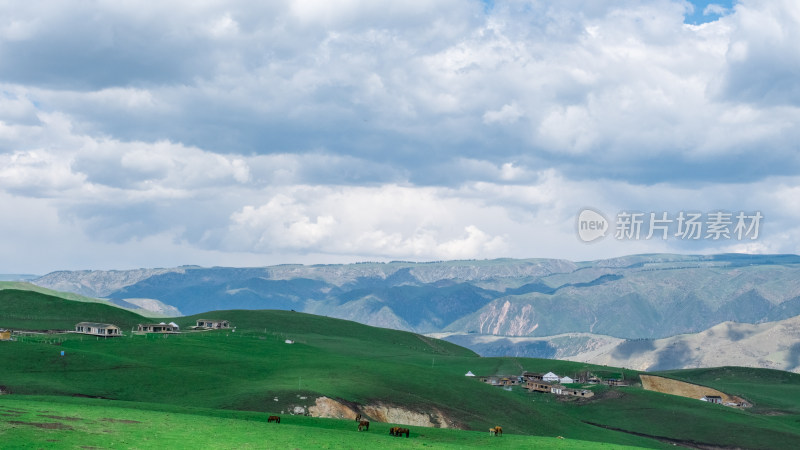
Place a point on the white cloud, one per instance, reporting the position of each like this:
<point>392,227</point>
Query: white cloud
<point>390,220</point>
<point>713,9</point>
<point>763,59</point>
<point>425,130</point>
<point>509,113</point>
<point>225,26</point>
<point>37,173</point>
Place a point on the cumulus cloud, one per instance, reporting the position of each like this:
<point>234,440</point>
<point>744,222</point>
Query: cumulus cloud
<point>762,59</point>
<point>714,9</point>
<point>417,130</point>
<point>388,221</point>
<point>509,113</point>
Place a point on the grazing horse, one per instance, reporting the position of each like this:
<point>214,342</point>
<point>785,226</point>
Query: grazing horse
<point>492,431</point>
<point>274,419</point>
<point>397,431</point>
<point>498,430</point>
<point>364,424</point>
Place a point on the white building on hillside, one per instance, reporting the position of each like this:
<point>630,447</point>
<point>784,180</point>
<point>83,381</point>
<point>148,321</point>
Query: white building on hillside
<point>98,329</point>
<point>550,377</point>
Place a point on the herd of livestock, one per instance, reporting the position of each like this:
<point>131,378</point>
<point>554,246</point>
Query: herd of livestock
<point>363,425</point>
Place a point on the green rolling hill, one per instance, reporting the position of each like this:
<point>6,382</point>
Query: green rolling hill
<point>390,376</point>
<point>25,286</point>
<point>31,310</point>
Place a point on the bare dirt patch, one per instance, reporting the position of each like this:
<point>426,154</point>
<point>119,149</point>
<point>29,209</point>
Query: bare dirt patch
<point>60,417</point>
<point>380,412</point>
<point>330,408</point>
<point>684,389</point>
<point>44,425</point>
<point>108,419</point>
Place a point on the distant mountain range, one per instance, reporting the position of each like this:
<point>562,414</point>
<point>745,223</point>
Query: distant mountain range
<point>770,345</point>
<point>640,297</point>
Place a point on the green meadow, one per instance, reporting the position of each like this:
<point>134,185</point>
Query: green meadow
<point>223,384</point>
<point>57,422</point>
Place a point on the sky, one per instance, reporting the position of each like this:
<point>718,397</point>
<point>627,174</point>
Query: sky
<point>238,133</point>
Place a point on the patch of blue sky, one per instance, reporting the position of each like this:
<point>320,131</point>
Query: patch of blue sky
<point>708,11</point>
<point>703,11</point>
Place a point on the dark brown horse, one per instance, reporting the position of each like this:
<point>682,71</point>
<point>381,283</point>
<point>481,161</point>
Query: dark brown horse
<point>363,425</point>
<point>397,431</point>
<point>358,417</point>
<point>274,419</point>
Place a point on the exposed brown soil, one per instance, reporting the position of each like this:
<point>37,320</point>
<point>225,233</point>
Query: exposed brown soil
<point>380,412</point>
<point>60,417</point>
<point>108,419</point>
<point>683,389</point>
<point>45,425</point>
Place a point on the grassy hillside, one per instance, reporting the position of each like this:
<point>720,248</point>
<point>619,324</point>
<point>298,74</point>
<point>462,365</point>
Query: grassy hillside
<point>771,391</point>
<point>29,310</point>
<point>253,369</point>
<point>249,369</point>
<point>57,422</point>
<point>25,286</point>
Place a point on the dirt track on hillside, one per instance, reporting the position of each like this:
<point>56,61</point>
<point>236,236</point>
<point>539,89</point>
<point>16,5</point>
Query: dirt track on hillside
<point>683,389</point>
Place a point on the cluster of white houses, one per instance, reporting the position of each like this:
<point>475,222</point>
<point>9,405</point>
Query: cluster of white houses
<point>111,330</point>
<point>548,383</point>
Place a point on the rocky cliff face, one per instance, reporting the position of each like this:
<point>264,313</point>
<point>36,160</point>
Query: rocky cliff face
<point>380,412</point>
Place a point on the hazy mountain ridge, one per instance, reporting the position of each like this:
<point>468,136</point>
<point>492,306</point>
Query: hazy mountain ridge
<point>97,283</point>
<point>771,345</point>
<point>637,296</point>
<point>647,302</point>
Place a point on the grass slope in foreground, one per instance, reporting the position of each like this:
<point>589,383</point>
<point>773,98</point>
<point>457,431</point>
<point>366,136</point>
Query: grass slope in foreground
<point>247,370</point>
<point>58,422</point>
